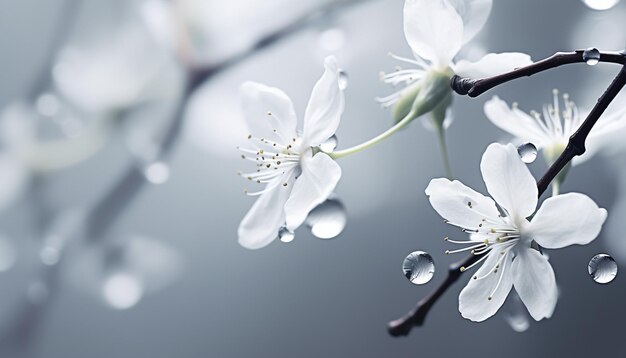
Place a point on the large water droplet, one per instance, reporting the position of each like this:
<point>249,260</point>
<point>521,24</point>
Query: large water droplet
<point>122,290</point>
<point>602,268</point>
<point>157,173</point>
<point>418,267</point>
<point>329,145</point>
<point>285,235</point>
<point>328,219</point>
<point>591,56</point>
<point>528,152</point>
<point>600,4</point>
<point>343,79</point>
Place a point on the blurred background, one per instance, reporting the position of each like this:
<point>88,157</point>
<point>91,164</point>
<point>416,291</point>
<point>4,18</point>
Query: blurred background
<point>120,201</point>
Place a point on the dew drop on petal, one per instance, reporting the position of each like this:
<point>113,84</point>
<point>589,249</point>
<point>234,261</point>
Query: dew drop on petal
<point>328,219</point>
<point>515,313</point>
<point>418,267</point>
<point>329,144</point>
<point>591,56</point>
<point>343,79</point>
<point>285,235</point>
<point>528,152</point>
<point>602,268</point>
<point>600,4</point>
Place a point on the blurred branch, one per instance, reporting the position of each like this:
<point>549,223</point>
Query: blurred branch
<point>575,147</point>
<point>130,183</point>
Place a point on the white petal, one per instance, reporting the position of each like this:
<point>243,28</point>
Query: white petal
<point>460,205</point>
<point>433,29</point>
<point>320,175</point>
<point>607,136</point>
<point>509,181</point>
<point>522,126</point>
<point>565,220</point>
<point>261,224</point>
<point>474,302</point>
<point>267,109</point>
<point>474,14</point>
<point>533,279</point>
<point>492,64</point>
<point>325,107</point>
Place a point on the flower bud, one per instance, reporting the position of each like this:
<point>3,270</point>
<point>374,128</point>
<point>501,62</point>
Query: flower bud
<point>424,96</point>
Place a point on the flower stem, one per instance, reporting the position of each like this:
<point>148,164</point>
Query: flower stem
<point>379,138</point>
<point>444,151</point>
<point>556,187</point>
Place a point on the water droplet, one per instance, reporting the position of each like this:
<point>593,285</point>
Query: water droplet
<point>528,152</point>
<point>418,267</point>
<point>591,56</point>
<point>329,145</point>
<point>515,313</point>
<point>285,235</point>
<point>602,268</point>
<point>122,290</point>
<point>343,79</point>
<point>600,4</point>
<point>328,219</point>
<point>157,172</point>
<point>49,255</point>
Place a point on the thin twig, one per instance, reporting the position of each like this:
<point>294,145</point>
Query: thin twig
<point>575,147</point>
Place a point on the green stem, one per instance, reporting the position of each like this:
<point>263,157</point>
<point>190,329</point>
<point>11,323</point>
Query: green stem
<point>444,151</point>
<point>379,138</point>
<point>556,187</point>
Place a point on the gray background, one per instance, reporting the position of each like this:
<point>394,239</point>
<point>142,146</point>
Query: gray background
<point>313,297</point>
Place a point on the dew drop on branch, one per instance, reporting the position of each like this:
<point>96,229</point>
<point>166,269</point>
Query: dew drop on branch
<point>602,268</point>
<point>591,56</point>
<point>528,152</point>
<point>418,267</point>
<point>328,219</point>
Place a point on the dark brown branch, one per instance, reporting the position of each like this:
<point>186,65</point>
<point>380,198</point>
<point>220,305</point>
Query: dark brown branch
<point>575,147</point>
<point>476,87</point>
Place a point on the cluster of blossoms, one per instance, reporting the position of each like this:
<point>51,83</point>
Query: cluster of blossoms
<point>506,233</point>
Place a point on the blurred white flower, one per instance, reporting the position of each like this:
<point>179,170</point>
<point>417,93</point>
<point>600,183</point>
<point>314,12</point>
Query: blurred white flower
<point>116,72</point>
<point>550,132</point>
<point>436,30</point>
<point>298,176</point>
<point>208,32</point>
<point>504,240</point>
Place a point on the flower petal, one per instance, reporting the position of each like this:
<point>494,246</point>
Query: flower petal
<point>267,109</point>
<point>460,205</point>
<point>433,29</point>
<point>492,64</point>
<point>533,279</point>
<point>509,181</point>
<point>474,14</point>
<point>514,121</point>
<point>607,136</point>
<point>320,175</point>
<point>325,107</point>
<point>261,224</point>
<point>474,302</point>
<point>565,220</point>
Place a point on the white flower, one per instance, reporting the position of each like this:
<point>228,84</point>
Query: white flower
<point>436,30</point>
<point>298,176</point>
<point>504,239</point>
<point>550,132</point>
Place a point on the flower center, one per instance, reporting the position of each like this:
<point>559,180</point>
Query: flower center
<point>274,160</point>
